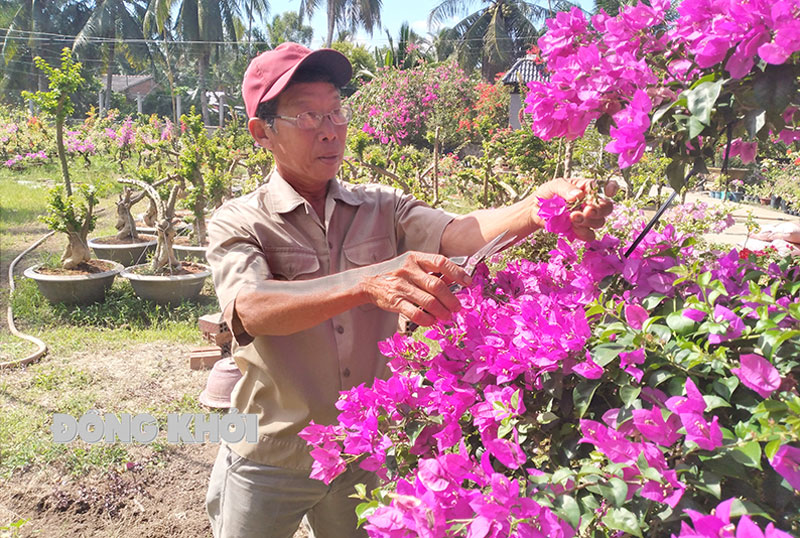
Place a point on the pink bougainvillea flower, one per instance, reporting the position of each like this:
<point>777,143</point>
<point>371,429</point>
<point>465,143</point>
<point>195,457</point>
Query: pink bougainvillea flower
<point>693,402</point>
<point>786,463</point>
<point>555,213</point>
<point>694,314</point>
<point>735,325</point>
<point>628,361</point>
<point>651,424</point>
<point>635,315</point>
<point>707,435</point>
<point>758,374</point>
<point>588,369</point>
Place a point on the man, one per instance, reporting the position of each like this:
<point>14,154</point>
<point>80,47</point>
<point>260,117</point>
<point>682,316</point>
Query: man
<point>311,274</point>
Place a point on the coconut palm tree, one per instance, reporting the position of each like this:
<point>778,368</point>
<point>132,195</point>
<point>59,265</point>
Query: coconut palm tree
<point>207,25</point>
<point>119,22</point>
<point>351,14</point>
<point>24,24</point>
<point>498,33</point>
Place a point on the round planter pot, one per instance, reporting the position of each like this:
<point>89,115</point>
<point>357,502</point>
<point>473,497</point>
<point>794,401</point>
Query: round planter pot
<point>190,253</point>
<point>74,289</point>
<point>125,253</point>
<point>165,289</point>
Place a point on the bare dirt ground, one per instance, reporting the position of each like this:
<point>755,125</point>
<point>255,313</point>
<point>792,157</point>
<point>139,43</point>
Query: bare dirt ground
<point>161,495</point>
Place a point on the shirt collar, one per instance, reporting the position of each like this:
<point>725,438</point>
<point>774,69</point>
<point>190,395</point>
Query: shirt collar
<point>282,197</point>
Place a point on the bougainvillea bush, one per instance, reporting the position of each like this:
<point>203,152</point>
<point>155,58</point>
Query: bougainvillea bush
<point>590,395</point>
<point>406,106</point>
<point>721,70</point>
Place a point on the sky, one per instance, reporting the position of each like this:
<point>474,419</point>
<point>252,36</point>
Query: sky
<point>393,14</point>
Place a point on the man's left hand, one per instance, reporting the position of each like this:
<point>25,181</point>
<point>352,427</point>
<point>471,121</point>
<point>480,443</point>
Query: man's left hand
<point>597,206</point>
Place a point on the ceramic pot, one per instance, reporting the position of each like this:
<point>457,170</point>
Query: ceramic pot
<point>189,253</point>
<point>125,253</point>
<point>219,386</point>
<point>75,289</point>
<point>167,288</point>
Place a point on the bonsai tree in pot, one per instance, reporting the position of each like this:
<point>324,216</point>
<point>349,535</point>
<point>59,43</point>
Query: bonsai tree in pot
<point>165,279</point>
<point>81,279</point>
<point>126,247</point>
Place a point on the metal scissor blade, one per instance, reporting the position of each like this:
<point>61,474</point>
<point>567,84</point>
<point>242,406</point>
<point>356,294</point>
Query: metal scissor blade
<point>492,247</point>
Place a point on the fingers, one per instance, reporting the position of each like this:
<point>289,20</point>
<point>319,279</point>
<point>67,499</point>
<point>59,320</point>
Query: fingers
<point>451,272</point>
<point>413,290</point>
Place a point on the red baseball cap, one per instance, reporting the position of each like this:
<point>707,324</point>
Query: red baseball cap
<point>271,71</point>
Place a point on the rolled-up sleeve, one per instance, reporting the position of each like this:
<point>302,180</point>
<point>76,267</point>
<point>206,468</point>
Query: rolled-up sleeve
<point>237,260</point>
<point>419,226</point>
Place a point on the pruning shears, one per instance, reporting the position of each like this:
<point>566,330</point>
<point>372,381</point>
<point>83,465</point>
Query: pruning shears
<point>470,263</point>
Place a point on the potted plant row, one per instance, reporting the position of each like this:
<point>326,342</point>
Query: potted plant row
<point>165,279</point>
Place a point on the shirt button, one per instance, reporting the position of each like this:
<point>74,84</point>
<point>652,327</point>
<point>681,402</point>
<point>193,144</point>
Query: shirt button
<point>339,329</point>
<point>346,372</point>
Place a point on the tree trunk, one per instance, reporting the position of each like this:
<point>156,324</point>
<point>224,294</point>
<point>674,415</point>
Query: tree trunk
<point>202,84</point>
<point>109,73</point>
<point>77,251</point>
<point>125,224</point>
<point>331,22</point>
<point>165,256</point>
<point>568,151</point>
<point>199,209</point>
<point>62,157</point>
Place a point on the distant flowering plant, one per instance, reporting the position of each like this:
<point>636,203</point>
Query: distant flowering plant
<point>404,106</point>
<point>589,395</point>
<point>718,69</point>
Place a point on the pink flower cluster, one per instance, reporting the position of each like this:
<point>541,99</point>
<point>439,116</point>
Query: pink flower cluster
<point>604,68</point>
<point>27,159</point>
<point>75,143</point>
<point>459,411</point>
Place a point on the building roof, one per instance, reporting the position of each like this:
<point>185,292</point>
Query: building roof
<point>124,83</point>
<point>525,70</point>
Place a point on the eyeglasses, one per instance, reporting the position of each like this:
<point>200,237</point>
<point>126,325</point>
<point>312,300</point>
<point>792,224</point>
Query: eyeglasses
<point>312,120</point>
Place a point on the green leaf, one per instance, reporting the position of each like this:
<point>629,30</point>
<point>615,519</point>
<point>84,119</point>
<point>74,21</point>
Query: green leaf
<point>629,393</point>
<point>725,386</point>
<point>676,173</point>
<point>775,87</point>
<point>754,121</point>
<point>713,402</point>
<point>583,394</point>
<point>567,507</point>
<point>772,448</point>
<point>624,520</point>
<point>749,454</point>
<point>605,353</point>
<point>701,101</point>
<point>680,323</point>
<point>695,127</point>
<point>710,483</point>
<point>617,491</point>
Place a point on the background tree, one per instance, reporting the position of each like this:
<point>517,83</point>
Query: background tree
<point>352,14</point>
<point>207,24</point>
<point>120,23</point>
<point>288,26</point>
<point>495,35</point>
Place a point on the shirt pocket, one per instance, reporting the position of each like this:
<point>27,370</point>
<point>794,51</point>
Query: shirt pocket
<point>292,263</point>
<point>368,252</point>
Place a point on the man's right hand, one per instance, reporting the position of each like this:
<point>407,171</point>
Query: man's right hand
<point>410,286</point>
